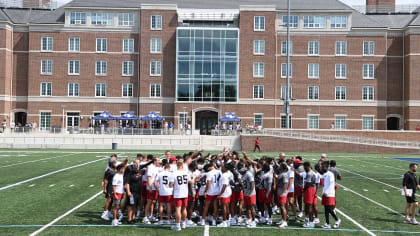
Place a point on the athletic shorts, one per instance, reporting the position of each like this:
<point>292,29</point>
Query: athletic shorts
<point>309,195</point>
<point>262,196</point>
<point>315,200</point>
<point>290,194</point>
<point>237,196</point>
<point>152,195</point>
<point>165,199</point>
<point>191,198</point>
<point>328,201</point>
<point>109,193</point>
<point>298,191</point>
<point>250,200</point>
<point>180,202</point>
<point>144,189</point>
<point>136,198</point>
<point>411,199</point>
<point>117,198</point>
<point>225,200</point>
<point>281,199</point>
<point>211,198</point>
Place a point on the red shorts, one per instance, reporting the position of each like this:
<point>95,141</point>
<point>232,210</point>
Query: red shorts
<point>328,201</point>
<point>309,195</point>
<point>143,189</point>
<point>165,199</point>
<point>236,197</point>
<point>315,200</point>
<point>152,195</point>
<point>197,195</point>
<point>191,198</point>
<point>225,200</point>
<point>281,199</point>
<point>180,202</point>
<point>118,196</point>
<point>321,182</point>
<point>262,196</point>
<point>298,191</point>
<point>211,198</point>
<point>291,194</point>
<point>250,200</point>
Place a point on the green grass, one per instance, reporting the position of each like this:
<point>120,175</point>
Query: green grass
<point>40,201</point>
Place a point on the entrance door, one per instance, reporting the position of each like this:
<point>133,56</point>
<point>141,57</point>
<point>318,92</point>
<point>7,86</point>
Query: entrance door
<point>393,123</point>
<point>20,119</point>
<point>73,121</point>
<point>205,121</point>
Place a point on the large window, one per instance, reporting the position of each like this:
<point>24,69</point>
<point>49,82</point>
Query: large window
<point>368,93</point>
<point>258,92</point>
<point>340,71</point>
<point>74,67</point>
<point>207,64</point>
<point>337,22</point>
<point>294,21</point>
<point>367,123</point>
<point>155,90</point>
<point>283,70</point>
<point>126,19</point>
<point>259,47</point>
<point>155,45</point>
<point>46,89</point>
<point>128,45</point>
<point>284,47</point>
<point>45,120</point>
<point>258,69</point>
<point>340,93</point>
<point>259,23</point>
<point>100,90</point>
<point>368,48</point>
<point>341,48</point>
<point>127,90</point>
<point>368,71</point>
<point>73,89</point>
<point>314,22</point>
<point>313,93</point>
<point>313,48</point>
<point>78,18</point>
<point>74,44</point>
<point>258,119</point>
<point>284,90</point>
<point>128,68</point>
<point>101,68</point>
<point>283,122</point>
<point>155,68</point>
<point>313,71</point>
<point>156,22</point>
<point>101,45</point>
<point>46,67</point>
<point>102,18</point>
<point>313,122</point>
<point>340,122</point>
<point>46,44</point>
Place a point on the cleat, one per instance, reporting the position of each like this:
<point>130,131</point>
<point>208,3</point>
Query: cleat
<point>191,223</point>
<point>269,221</point>
<point>414,221</point>
<point>262,220</point>
<point>337,224</point>
<point>105,216</point>
<point>213,222</point>
<point>176,228</point>
<point>300,214</point>
<point>115,223</point>
<point>408,221</point>
<point>316,221</point>
<point>326,226</point>
<point>283,225</point>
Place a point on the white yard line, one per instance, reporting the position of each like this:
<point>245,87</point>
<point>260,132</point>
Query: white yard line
<point>51,173</point>
<point>373,163</point>
<point>64,215</point>
<point>373,201</point>
<point>206,230</point>
<point>26,162</point>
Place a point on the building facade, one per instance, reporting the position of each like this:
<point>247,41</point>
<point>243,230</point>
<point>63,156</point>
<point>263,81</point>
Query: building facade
<point>195,61</point>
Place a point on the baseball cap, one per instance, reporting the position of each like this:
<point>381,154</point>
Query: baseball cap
<point>324,155</point>
<point>297,161</point>
<point>173,158</point>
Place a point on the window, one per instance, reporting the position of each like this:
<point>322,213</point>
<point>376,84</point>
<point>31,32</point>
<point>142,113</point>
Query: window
<point>46,89</point>
<point>259,47</point>
<point>182,120</point>
<point>367,123</point>
<point>368,48</point>
<point>368,94</point>
<point>46,67</point>
<point>284,49</point>
<point>294,21</point>
<point>340,122</point>
<point>259,23</point>
<point>283,120</point>
<point>155,68</point>
<point>126,19</point>
<point>259,69</point>
<point>74,67</point>
<point>128,68</point>
<point>156,23</point>
<point>73,89</point>
<point>338,22</point>
<point>368,71</point>
<point>127,90</point>
<point>283,70</point>
<point>258,119</point>
<point>78,18</point>
<point>46,44</point>
<point>128,45</point>
<point>155,90</point>
<point>315,22</point>
<point>101,45</point>
<point>313,93</point>
<point>283,92</point>
<point>155,45</point>
<point>258,91</point>
<point>340,93</point>
<point>313,71</point>
<point>102,18</point>
<point>100,90</point>
<point>101,68</point>
<point>340,71</point>
<point>74,44</point>
<point>313,122</point>
<point>45,120</point>
<point>340,48</point>
<point>313,48</point>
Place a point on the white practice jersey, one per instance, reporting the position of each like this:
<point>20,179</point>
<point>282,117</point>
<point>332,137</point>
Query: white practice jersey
<point>181,179</point>
<point>226,177</point>
<point>214,177</point>
<point>329,184</point>
<point>152,172</point>
<point>291,174</point>
<point>163,180</point>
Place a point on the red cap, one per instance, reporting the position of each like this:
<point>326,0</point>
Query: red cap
<point>297,161</point>
<point>173,158</point>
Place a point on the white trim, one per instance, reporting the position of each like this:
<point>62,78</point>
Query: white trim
<point>161,23</point>
<point>309,120</point>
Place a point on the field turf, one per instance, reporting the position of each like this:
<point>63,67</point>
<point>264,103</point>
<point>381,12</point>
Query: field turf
<point>39,186</point>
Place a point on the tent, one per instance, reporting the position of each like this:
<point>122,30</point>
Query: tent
<point>104,116</point>
<point>230,117</point>
<point>128,116</point>
<point>152,116</point>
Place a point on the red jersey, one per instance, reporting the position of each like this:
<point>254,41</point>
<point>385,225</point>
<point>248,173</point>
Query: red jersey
<point>257,142</point>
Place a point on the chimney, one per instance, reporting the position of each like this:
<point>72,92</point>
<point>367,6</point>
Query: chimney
<point>380,6</point>
<point>37,3</point>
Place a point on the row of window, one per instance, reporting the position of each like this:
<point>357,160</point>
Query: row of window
<point>309,22</point>
<point>100,89</point>
<point>368,70</point>
<point>313,93</point>
<point>314,48</point>
<point>101,68</point>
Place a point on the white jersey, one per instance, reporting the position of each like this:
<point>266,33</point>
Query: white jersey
<point>173,168</point>
<point>329,184</point>
<point>163,180</point>
<point>291,174</point>
<point>203,181</point>
<point>226,177</point>
<point>214,177</point>
<point>180,180</point>
<point>118,182</point>
<point>152,172</point>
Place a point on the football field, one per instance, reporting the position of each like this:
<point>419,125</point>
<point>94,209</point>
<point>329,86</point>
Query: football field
<point>58,192</point>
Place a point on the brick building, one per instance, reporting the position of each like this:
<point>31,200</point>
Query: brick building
<point>193,61</point>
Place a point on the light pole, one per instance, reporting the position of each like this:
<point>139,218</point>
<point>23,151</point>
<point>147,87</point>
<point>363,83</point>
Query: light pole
<point>287,98</point>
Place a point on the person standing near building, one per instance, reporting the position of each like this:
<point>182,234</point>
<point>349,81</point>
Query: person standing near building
<point>257,145</point>
<point>4,125</point>
<point>12,126</point>
<point>410,185</point>
<point>171,127</point>
<point>328,196</point>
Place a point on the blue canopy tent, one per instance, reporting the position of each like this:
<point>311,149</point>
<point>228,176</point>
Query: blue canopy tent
<point>128,116</point>
<point>104,116</point>
<point>230,117</point>
<point>152,116</point>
